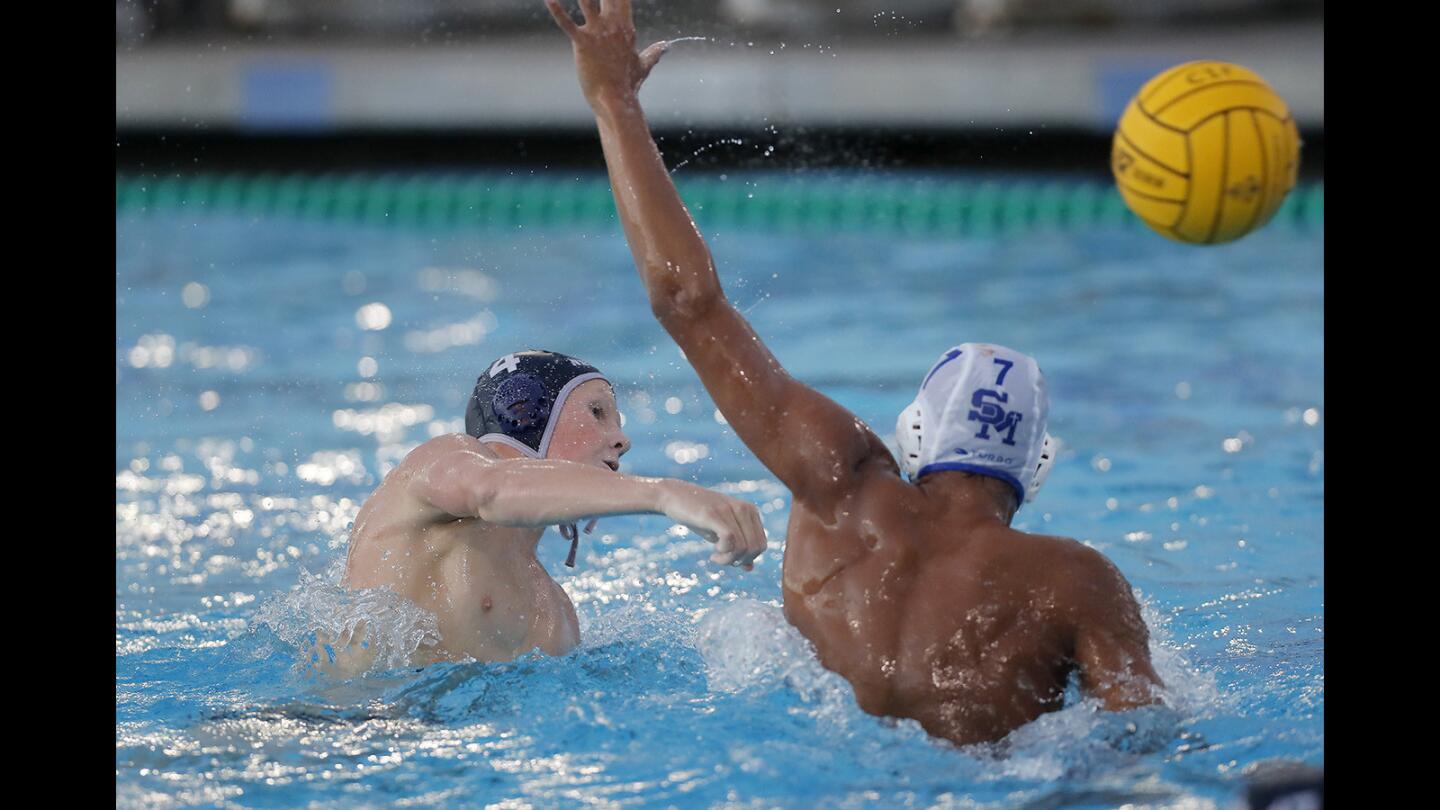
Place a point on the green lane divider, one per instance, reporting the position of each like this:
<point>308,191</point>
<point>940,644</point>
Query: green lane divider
<point>908,206</point>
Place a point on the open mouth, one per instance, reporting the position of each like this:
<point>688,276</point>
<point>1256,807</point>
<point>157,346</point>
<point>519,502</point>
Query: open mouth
<point>613,465</point>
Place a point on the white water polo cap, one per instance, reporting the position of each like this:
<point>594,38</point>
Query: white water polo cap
<point>982,409</point>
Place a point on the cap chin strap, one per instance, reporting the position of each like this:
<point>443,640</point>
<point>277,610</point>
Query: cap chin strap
<point>569,532</point>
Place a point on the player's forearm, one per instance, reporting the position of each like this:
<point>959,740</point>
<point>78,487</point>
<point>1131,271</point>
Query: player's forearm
<point>528,492</point>
<point>669,252</point>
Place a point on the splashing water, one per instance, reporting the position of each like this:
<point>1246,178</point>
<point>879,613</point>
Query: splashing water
<point>748,646</point>
<point>342,632</point>
<point>689,688</point>
<point>707,147</point>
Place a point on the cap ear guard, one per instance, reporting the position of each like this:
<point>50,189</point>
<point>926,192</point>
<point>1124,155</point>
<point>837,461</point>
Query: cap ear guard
<point>1049,449</point>
<point>907,435</point>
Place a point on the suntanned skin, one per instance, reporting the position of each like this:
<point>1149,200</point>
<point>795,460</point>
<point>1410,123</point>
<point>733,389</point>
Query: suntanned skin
<point>454,528</point>
<point>920,595</point>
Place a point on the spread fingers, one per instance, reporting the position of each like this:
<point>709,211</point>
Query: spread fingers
<point>562,17</point>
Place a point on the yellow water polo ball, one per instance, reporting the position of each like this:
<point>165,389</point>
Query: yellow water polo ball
<point>1205,152</point>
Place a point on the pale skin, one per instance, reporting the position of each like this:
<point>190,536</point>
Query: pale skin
<point>919,594</point>
<point>455,526</point>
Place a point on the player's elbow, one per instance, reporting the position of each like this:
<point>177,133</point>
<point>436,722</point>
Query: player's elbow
<point>1135,695</point>
<point>1120,689</point>
<point>481,495</point>
<point>672,300</point>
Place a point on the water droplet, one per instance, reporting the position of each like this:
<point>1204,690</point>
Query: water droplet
<point>195,295</point>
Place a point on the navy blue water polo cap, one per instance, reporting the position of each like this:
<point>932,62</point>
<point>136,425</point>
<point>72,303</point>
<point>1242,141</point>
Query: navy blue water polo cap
<point>515,399</point>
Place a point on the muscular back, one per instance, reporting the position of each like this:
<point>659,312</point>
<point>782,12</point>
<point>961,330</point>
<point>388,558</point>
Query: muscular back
<point>966,626</point>
<point>924,599</point>
<point>970,628</point>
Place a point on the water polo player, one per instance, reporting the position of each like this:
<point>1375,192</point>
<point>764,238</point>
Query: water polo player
<point>918,592</point>
<point>455,525</point>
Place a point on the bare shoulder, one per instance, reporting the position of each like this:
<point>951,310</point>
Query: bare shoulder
<point>439,447</point>
<point>1109,638</point>
<point>1069,552</point>
<point>405,502</point>
<point>1072,570</point>
<point>1089,588</point>
<point>437,450</point>
<point>880,479</point>
<point>399,484</point>
<point>884,499</point>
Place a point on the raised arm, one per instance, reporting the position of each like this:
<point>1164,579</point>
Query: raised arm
<point>456,480</point>
<point>811,443</point>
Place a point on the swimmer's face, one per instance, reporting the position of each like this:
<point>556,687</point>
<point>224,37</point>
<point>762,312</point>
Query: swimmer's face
<point>589,428</point>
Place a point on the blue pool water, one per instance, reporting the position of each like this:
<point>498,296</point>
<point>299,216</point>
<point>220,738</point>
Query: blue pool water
<point>268,373</point>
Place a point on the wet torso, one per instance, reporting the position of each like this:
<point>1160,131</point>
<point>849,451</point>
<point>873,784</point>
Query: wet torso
<point>960,627</point>
<point>492,597</point>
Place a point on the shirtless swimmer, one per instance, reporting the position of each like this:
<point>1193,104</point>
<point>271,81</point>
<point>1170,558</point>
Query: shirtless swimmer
<point>917,592</point>
<point>454,527</point>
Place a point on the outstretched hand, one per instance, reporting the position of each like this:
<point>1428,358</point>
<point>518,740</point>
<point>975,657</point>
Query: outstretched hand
<point>605,57</point>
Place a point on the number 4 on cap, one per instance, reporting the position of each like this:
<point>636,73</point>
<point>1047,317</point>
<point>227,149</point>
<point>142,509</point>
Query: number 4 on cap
<point>507,363</point>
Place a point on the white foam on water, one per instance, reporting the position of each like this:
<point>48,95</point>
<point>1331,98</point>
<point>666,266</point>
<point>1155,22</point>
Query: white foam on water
<point>747,645</point>
<point>1188,690</point>
<point>342,633</point>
